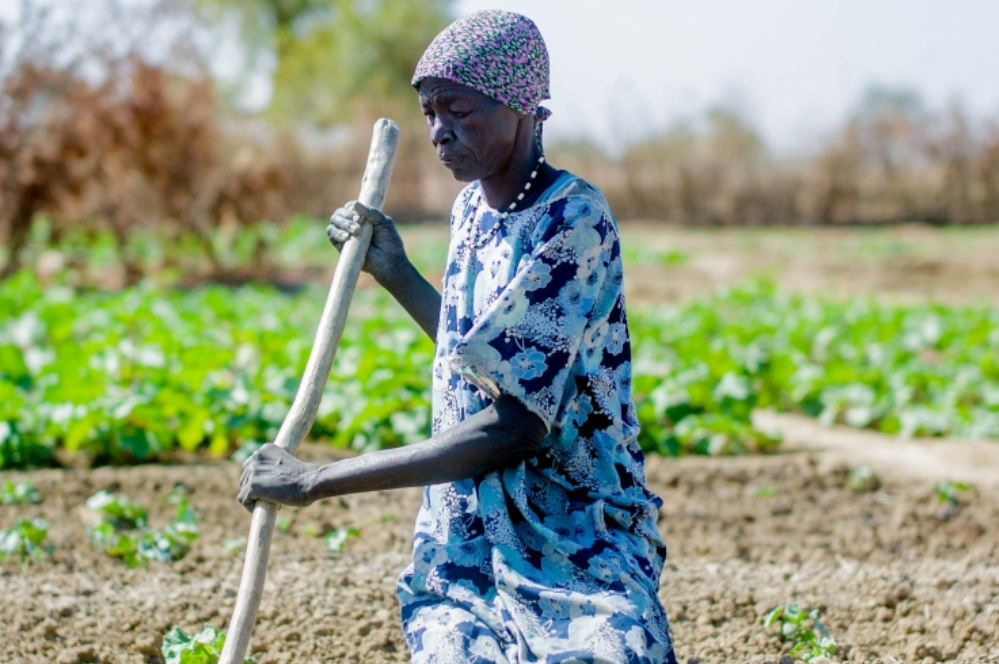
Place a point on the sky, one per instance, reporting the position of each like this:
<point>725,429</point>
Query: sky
<point>624,68</point>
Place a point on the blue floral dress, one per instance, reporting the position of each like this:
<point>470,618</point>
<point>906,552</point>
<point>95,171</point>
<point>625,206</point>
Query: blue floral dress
<point>556,559</point>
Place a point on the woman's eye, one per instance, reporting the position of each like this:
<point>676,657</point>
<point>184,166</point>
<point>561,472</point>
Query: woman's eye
<point>459,114</point>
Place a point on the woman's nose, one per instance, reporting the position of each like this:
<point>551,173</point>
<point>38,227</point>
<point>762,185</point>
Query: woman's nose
<point>441,133</point>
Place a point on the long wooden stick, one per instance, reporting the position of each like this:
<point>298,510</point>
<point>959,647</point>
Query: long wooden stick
<point>299,421</point>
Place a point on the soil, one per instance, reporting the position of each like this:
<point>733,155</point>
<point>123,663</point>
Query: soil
<point>896,574</point>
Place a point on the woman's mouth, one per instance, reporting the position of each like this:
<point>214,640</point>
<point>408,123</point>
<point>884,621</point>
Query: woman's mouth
<point>451,161</point>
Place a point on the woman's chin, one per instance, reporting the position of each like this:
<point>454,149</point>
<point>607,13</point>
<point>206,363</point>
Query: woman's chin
<point>463,174</point>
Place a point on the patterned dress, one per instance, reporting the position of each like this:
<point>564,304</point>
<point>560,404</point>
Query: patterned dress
<point>556,559</point>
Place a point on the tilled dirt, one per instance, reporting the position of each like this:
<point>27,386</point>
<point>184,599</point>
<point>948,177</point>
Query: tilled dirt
<point>896,574</point>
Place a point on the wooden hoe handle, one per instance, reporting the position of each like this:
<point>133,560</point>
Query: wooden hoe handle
<point>299,421</point>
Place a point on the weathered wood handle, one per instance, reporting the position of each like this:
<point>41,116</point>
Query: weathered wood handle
<point>299,421</point>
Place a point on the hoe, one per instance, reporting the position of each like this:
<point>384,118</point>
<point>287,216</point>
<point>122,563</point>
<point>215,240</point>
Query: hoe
<point>374,187</point>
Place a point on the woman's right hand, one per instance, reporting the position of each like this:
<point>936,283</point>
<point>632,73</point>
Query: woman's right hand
<point>386,255</point>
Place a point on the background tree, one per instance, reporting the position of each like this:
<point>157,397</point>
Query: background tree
<point>331,55</point>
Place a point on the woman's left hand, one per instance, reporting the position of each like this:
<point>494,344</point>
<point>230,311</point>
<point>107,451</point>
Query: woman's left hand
<point>274,476</point>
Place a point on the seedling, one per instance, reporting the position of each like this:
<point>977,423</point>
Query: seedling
<point>765,491</point>
<point>234,547</point>
<point>201,648</point>
<point>283,524</point>
<point>336,539</point>
<point>25,540</point>
<point>862,480</point>
<point>808,643</point>
<point>19,494</point>
<point>118,511</point>
<point>122,531</point>
<point>946,491</point>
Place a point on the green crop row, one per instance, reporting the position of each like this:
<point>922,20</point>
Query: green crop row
<point>141,373</point>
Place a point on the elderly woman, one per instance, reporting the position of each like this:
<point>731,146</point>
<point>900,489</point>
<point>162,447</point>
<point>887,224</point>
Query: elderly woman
<point>537,538</point>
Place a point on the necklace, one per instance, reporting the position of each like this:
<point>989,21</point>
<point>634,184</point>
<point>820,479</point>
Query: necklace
<point>482,237</point>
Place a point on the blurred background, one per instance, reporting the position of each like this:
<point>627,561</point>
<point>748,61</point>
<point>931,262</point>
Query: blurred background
<point>208,123</point>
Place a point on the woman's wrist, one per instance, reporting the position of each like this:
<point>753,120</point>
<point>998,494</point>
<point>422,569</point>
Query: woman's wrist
<point>395,274</point>
<point>310,482</point>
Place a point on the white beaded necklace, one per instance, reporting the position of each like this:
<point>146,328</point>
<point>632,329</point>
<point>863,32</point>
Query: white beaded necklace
<point>482,237</point>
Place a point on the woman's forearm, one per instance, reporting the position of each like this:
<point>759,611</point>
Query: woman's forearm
<point>500,436</point>
<point>416,295</point>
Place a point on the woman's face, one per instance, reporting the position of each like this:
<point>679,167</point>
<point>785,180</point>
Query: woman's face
<point>475,135</point>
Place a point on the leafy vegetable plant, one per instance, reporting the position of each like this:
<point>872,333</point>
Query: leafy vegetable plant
<point>19,494</point>
<point>862,479</point>
<point>947,491</point>
<point>136,374</point>
<point>808,642</point>
<point>337,538</point>
<point>122,531</point>
<point>201,648</point>
<point>25,540</point>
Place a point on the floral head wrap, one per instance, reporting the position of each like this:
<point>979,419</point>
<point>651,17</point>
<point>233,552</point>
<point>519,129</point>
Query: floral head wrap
<point>501,54</point>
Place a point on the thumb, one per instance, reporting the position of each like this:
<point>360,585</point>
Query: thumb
<point>370,214</point>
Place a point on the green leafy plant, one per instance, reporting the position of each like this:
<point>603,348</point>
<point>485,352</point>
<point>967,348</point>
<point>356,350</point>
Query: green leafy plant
<point>19,494</point>
<point>25,541</point>
<point>122,532</point>
<point>118,511</point>
<point>338,537</point>
<point>808,643</point>
<point>948,492</point>
<point>862,479</point>
<point>235,546</point>
<point>137,374</point>
<point>201,648</point>
<point>765,491</point>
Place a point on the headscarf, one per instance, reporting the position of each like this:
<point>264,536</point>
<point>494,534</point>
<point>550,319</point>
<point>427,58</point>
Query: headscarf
<point>501,54</point>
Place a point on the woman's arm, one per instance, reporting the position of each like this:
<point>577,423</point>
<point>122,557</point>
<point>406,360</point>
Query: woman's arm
<point>416,295</point>
<point>500,436</point>
<point>388,263</point>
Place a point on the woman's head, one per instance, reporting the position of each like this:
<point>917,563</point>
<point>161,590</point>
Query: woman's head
<point>481,82</point>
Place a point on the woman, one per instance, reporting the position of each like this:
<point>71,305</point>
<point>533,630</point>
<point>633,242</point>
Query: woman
<point>537,537</point>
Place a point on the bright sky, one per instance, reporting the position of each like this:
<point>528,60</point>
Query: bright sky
<point>621,68</point>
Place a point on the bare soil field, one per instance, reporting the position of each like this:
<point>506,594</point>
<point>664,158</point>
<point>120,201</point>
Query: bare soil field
<point>897,575</point>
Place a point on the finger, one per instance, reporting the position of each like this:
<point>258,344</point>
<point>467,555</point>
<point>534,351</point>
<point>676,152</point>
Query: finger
<point>337,234</point>
<point>371,215</point>
<point>344,219</point>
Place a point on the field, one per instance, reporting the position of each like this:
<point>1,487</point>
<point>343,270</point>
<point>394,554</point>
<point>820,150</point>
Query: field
<point>900,568</point>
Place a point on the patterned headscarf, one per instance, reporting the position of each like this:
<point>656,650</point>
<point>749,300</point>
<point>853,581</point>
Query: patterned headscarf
<point>498,53</point>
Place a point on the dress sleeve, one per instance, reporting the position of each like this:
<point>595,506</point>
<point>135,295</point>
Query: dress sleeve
<point>525,342</point>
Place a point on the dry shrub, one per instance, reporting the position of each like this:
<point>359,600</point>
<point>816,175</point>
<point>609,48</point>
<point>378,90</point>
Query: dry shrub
<point>892,162</point>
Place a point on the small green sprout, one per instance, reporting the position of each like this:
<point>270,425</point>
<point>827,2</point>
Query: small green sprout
<point>25,540</point>
<point>946,491</point>
<point>336,539</point>
<point>863,480</point>
<point>808,644</point>
<point>19,494</point>
<point>119,511</point>
<point>765,491</point>
<point>283,524</point>
<point>310,530</point>
<point>234,547</point>
<point>122,531</point>
<point>205,647</point>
